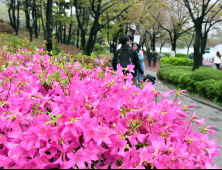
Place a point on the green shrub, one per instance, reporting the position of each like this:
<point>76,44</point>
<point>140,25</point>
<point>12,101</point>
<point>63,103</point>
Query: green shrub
<point>206,73</point>
<point>1,20</point>
<point>205,81</point>
<point>56,50</point>
<point>99,48</point>
<point>177,61</point>
<point>182,55</point>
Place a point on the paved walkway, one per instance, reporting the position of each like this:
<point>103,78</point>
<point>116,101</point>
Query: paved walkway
<point>212,116</point>
<point>152,67</point>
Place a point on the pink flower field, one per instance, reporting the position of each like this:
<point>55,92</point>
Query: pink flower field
<point>67,115</point>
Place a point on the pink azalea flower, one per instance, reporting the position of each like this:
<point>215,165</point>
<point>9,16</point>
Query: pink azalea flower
<point>200,122</point>
<point>131,67</point>
<point>103,136</point>
<point>209,166</point>
<point>209,129</point>
<point>76,159</point>
<point>70,127</point>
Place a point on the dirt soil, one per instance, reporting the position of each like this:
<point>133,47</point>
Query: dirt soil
<point>73,50</point>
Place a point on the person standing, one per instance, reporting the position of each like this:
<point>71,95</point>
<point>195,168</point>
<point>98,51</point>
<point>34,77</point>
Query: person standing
<point>120,44</point>
<point>149,56</point>
<point>172,53</point>
<point>141,59</point>
<point>125,56</point>
<point>217,60</point>
<point>155,55</point>
<point>191,56</point>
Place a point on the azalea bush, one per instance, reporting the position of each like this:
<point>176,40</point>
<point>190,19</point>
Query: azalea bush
<point>55,114</point>
<point>4,27</point>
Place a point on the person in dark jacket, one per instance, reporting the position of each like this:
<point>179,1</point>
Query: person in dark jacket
<point>149,56</point>
<point>133,57</point>
<point>155,57</point>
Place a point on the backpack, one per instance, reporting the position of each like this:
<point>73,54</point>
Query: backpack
<point>150,79</point>
<point>124,58</point>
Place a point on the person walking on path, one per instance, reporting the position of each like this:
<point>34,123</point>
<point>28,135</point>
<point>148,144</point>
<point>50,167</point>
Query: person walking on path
<point>155,55</point>
<point>141,59</point>
<point>217,60</point>
<point>126,56</point>
<point>172,53</point>
<point>149,56</point>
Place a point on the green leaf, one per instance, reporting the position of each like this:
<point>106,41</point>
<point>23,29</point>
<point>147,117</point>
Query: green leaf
<point>5,79</point>
<point>138,126</point>
<point>33,106</point>
<point>100,74</point>
<point>66,82</point>
<point>50,78</point>
<point>51,121</point>
<point>57,117</point>
<point>64,68</point>
<point>58,75</point>
<point>134,123</point>
<point>51,115</point>
<point>37,106</point>
<point>128,123</point>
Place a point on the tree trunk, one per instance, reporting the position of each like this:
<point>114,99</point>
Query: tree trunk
<point>49,25</point>
<point>27,18</point>
<point>36,28</point>
<point>126,31</point>
<point>197,47</point>
<point>10,17</point>
<point>70,28</point>
<point>174,44</point>
<point>70,34</point>
<point>13,15</point>
<point>56,34</point>
<point>39,25</point>
<point>30,31</point>
<point>93,31</point>
<point>204,43</point>
<point>43,20</point>
<point>64,39</point>
<point>61,30</point>
<point>77,45</point>
<point>154,41</point>
<point>162,46</point>
<point>17,26</point>
<point>91,41</point>
<point>34,17</point>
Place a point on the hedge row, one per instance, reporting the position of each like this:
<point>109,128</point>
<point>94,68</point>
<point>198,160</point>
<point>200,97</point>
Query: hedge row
<point>205,81</point>
<point>177,61</point>
<point>177,55</point>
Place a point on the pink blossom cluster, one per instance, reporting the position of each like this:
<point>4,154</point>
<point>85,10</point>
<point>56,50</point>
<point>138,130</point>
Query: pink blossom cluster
<point>62,115</point>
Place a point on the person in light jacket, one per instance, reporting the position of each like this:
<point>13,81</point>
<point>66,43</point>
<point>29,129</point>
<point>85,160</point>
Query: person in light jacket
<point>141,59</point>
<point>217,60</point>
